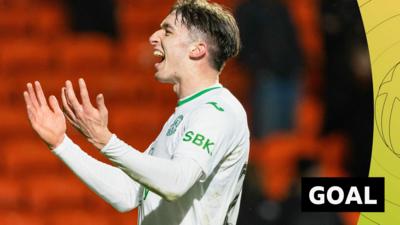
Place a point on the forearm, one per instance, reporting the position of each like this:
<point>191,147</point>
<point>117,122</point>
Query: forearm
<point>168,178</point>
<point>109,182</point>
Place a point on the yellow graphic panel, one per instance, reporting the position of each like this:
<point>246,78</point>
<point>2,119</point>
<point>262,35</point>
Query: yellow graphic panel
<point>382,26</point>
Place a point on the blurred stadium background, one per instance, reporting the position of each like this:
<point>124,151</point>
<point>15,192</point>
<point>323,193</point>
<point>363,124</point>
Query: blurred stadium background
<point>39,41</point>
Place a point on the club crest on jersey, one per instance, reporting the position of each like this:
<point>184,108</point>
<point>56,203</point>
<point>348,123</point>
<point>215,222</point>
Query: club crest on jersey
<point>174,125</point>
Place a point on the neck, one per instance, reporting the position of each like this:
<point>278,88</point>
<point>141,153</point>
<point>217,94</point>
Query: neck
<point>194,84</point>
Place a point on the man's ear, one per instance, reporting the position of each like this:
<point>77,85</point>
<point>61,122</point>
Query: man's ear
<point>198,50</point>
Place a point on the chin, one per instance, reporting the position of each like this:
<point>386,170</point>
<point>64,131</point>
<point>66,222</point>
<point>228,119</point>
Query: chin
<point>162,79</point>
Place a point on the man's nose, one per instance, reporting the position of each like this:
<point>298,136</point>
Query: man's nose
<point>155,38</point>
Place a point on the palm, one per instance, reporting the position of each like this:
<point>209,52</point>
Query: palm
<point>48,122</point>
<point>49,125</point>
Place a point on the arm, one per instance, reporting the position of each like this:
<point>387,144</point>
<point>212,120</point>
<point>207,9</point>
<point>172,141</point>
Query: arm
<point>109,182</point>
<point>168,178</point>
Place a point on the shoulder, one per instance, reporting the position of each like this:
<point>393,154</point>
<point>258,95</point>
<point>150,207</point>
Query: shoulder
<point>220,108</point>
<point>214,112</point>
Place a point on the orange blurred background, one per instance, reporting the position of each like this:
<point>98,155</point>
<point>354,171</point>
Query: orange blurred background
<point>36,43</point>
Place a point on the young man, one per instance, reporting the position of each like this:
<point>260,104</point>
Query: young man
<point>193,172</point>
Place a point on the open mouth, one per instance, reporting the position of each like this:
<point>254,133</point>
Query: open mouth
<point>159,54</point>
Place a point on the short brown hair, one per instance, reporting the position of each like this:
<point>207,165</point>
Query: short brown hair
<point>216,22</point>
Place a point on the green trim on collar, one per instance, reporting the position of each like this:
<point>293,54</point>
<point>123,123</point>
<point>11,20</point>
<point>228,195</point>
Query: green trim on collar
<point>216,106</point>
<point>196,95</point>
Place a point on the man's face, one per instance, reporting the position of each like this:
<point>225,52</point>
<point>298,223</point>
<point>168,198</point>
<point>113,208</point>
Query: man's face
<point>171,44</point>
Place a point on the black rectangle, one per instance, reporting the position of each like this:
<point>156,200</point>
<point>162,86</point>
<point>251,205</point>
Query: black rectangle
<point>320,194</point>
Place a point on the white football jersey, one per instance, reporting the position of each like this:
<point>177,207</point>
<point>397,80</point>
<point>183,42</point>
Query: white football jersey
<point>210,127</point>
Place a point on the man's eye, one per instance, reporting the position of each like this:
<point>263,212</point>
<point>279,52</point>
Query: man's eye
<point>167,32</point>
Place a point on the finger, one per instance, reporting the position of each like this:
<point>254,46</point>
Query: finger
<point>84,94</point>
<point>72,122</point>
<point>29,106</point>
<point>54,105</point>
<point>100,104</point>
<point>40,94</point>
<point>31,116</point>
<point>67,110</point>
<point>71,97</point>
<point>32,96</point>
<point>68,103</point>
<point>27,99</point>
<point>72,110</point>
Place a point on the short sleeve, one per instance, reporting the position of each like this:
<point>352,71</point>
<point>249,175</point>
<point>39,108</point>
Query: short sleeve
<point>207,138</point>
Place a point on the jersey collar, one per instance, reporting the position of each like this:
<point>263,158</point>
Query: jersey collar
<point>198,94</point>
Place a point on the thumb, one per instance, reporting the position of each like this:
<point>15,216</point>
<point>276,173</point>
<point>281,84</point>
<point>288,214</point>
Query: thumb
<point>100,104</point>
<point>54,104</point>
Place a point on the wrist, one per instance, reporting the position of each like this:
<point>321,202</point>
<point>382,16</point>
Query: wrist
<point>102,140</point>
<point>56,143</point>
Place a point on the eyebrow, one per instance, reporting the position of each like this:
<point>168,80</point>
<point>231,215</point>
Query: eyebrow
<point>166,25</point>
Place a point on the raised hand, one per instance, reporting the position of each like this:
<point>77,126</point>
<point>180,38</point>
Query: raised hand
<point>90,121</point>
<point>49,123</point>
